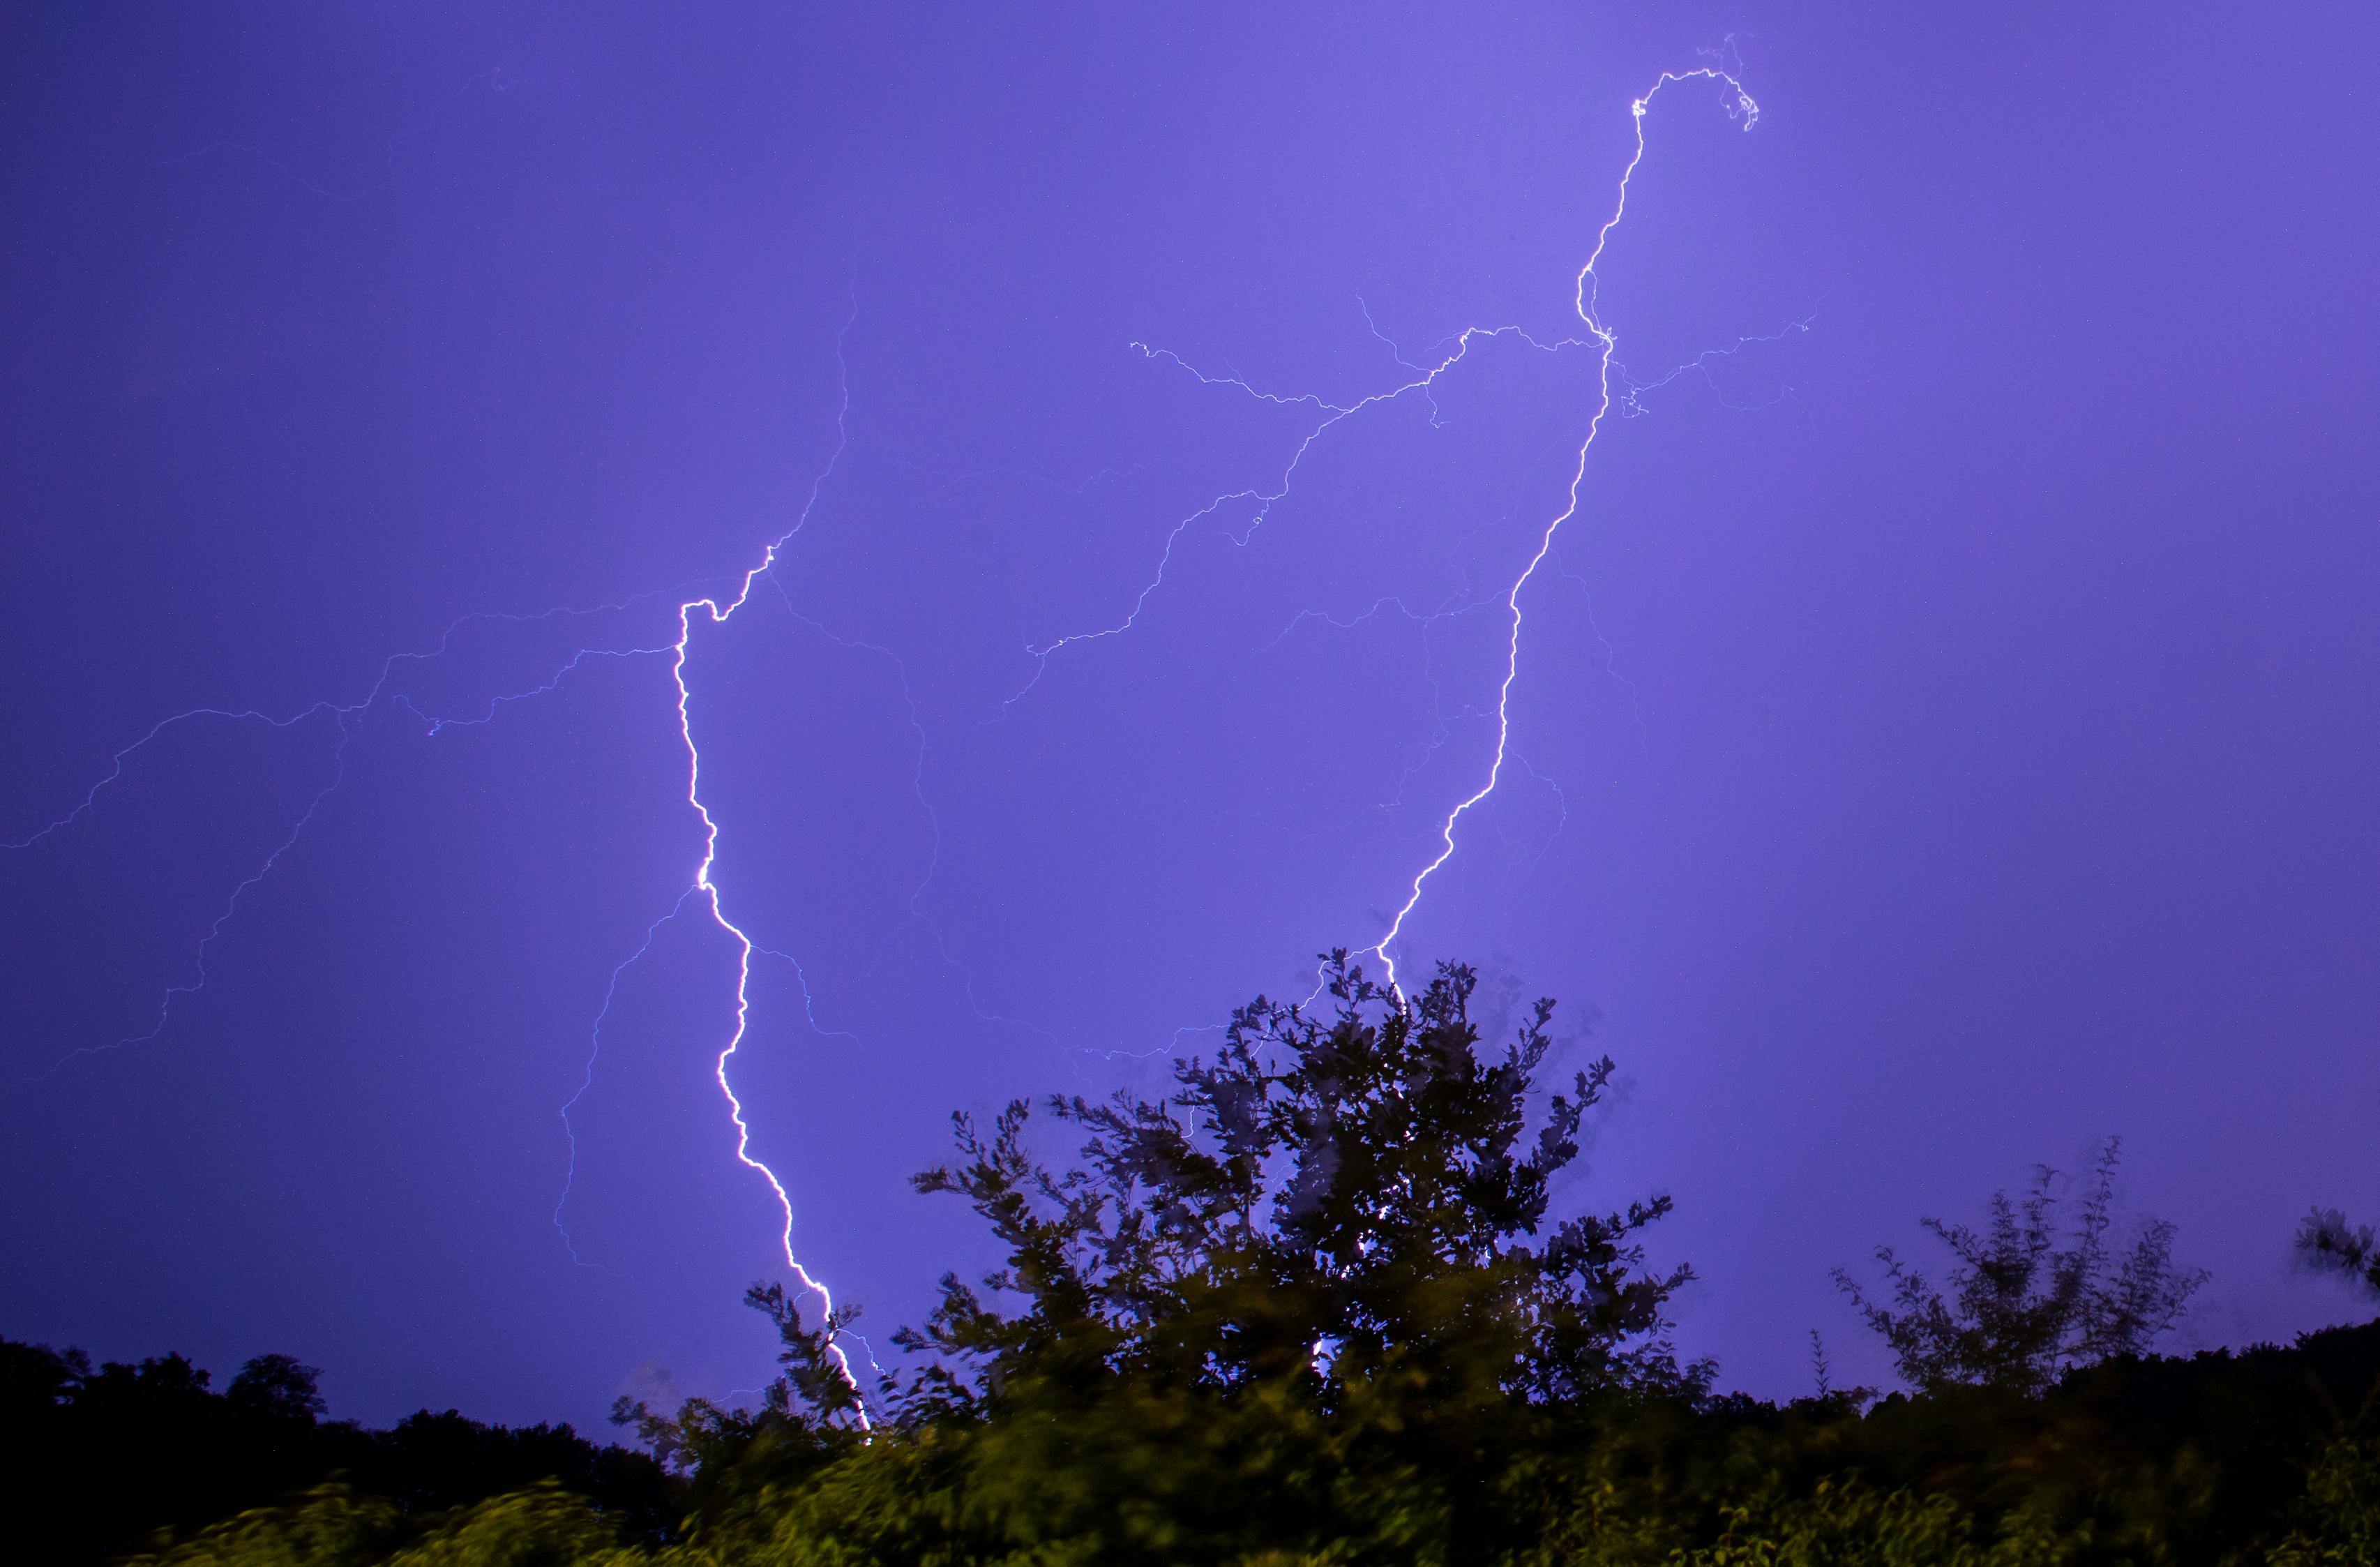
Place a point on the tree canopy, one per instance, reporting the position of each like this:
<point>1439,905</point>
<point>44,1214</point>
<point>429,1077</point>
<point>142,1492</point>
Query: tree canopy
<point>1330,1199</point>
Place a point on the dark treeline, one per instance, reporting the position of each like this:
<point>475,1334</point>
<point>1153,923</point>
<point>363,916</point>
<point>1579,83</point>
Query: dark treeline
<point>102,1459</point>
<point>1318,1306</point>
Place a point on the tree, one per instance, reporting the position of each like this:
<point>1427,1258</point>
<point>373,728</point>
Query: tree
<point>1331,1201</point>
<point>809,1414</point>
<point>277,1387</point>
<point>2327,1243</point>
<point>2022,1310</point>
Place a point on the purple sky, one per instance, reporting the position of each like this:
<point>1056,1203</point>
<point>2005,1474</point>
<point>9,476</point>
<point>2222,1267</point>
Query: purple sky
<point>1945,735</point>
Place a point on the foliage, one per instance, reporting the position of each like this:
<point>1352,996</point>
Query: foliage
<point>2141,1461</point>
<point>103,1457</point>
<point>1847,1523</point>
<point>1317,1307</point>
<point>332,1527</point>
<point>2327,1242</point>
<point>2336,1523</point>
<point>2022,1309</point>
<point>809,1414</point>
<point>1330,1202</point>
<point>277,1387</point>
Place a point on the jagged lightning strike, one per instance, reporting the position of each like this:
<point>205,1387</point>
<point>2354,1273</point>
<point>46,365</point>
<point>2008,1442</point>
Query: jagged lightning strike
<point>717,609</point>
<point>1262,500</point>
<point>1584,301</point>
<point>708,889</point>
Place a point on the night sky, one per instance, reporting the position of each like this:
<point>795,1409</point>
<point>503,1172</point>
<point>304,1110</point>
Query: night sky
<point>1945,734</point>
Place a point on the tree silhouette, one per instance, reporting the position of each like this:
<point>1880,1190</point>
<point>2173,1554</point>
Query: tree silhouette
<point>2327,1242</point>
<point>277,1386</point>
<point>2022,1310</point>
<point>1332,1199</point>
<point>99,1458</point>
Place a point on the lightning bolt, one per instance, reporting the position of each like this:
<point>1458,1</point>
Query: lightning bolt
<point>350,718</point>
<point>706,885</point>
<point>1260,500</point>
<point>1583,301</point>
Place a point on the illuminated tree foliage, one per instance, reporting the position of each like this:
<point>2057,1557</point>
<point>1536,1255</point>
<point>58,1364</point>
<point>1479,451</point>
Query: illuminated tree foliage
<point>1331,1201</point>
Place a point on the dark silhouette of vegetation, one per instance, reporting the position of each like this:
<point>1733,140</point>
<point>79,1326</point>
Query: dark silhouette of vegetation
<point>2023,1310</point>
<point>1318,1305</point>
<point>2328,1244</point>
<point>102,1458</point>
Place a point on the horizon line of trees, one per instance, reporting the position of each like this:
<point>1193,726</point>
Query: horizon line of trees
<point>102,1458</point>
<point>1318,1304</point>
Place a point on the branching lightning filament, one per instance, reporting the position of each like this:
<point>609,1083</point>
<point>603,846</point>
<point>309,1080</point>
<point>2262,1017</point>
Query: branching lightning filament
<point>1262,499</point>
<point>718,609</point>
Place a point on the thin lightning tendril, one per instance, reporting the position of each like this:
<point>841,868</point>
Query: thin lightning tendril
<point>587,1082</point>
<point>1262,500</point>
<point>349,719</point>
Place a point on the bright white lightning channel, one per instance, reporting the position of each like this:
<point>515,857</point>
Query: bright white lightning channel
<point>349,717</point>
<point>1262,499</point>
<point>706,886</point>
<point>1585,302</point>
